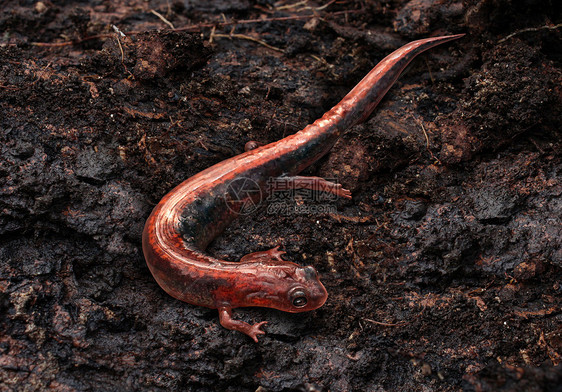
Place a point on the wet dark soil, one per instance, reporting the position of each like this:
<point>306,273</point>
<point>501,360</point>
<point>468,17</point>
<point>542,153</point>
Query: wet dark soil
<point>444,270</point>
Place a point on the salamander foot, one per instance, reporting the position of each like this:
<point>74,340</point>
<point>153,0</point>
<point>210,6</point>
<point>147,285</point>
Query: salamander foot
<point>226,320</point>
<point>266,255</point>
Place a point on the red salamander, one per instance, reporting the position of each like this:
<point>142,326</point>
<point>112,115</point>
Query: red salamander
<point>190,216</point>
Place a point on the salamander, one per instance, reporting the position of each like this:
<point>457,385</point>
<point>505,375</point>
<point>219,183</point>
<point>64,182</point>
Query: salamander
<point>196,211</point>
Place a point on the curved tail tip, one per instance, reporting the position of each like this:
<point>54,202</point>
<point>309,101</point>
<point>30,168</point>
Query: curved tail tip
<point>454,36</point>
<point>434,41</point>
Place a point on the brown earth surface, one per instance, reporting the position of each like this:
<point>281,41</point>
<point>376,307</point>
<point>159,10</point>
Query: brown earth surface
<point>444,270</point>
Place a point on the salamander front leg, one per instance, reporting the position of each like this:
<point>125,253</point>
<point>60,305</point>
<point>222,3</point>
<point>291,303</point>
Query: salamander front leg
<point>266,255</point>
<point>312,183</point>
<point>226,320</point>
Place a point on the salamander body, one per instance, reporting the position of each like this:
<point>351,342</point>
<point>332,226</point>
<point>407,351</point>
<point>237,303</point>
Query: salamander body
<point>191,215</point>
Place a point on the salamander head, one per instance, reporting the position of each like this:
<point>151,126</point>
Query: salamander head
<point>308,292</point>
<point>288,287</point>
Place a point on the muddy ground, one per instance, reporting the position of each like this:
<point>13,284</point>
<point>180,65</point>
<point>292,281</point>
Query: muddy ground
<point>444,270</point>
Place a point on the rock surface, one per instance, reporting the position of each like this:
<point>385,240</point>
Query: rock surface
<point>444,270</point>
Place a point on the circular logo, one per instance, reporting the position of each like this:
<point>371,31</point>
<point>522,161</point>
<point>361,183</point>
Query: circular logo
<point>243,195</point>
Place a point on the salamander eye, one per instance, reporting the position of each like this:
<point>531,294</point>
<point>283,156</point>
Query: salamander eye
<point>299,299</point>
